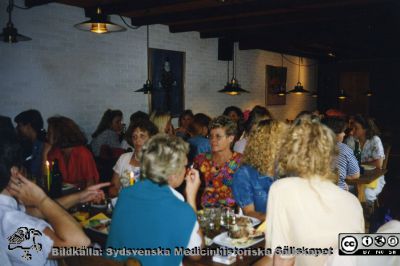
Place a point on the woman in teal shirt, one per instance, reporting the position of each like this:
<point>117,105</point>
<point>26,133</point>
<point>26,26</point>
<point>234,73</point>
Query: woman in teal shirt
<point>151,214</point>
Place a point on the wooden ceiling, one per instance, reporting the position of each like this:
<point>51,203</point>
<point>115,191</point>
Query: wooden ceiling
<point>347,29</point>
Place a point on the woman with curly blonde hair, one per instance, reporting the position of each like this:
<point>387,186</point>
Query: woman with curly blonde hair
<point>307,208</point>
<point>252,180</point>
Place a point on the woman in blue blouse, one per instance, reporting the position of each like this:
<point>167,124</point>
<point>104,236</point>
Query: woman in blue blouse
<point>252,180</point>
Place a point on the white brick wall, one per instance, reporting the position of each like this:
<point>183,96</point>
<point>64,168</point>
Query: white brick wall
<point>78,74</point>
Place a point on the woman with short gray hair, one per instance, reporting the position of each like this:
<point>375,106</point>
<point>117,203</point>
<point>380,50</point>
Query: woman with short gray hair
<point>217,168</point>
<point>151,213</point>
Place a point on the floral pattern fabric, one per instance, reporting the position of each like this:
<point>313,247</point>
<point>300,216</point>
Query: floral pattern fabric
<point>372,150</point>
<point>217,180</point>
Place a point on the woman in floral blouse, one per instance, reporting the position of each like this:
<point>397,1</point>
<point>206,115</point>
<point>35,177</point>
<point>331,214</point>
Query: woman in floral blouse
<point>217,168</point>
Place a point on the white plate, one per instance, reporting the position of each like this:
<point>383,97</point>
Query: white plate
<point>254,221</point>
<point>368,167</point>
<point>98,206</point>
<point>106,231</point>
<point>67,186</point>
<point>224,240</point>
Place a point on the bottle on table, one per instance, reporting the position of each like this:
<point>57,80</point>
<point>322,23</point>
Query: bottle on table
<point>357,154</point>
<point>56,181</point>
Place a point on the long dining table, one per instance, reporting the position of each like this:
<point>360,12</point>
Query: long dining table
<point>244,260</point>
<point>240,260</point>
<point>207,260</point>
<point>366,178</point>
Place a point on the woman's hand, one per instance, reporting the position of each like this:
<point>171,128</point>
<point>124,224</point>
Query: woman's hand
<point>93,193</point>
<point>27,192</point>
<point>192,182</point>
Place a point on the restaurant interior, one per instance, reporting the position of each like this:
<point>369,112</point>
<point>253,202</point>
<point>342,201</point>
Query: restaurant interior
<point>78,58</point>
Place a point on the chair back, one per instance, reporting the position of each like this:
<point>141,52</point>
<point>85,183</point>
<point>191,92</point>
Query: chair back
<point>387,149</point>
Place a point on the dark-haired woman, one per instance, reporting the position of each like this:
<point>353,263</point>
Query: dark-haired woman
<point>256,115</point>
<point>128,163</point>
<point>236,115</point>
<point>184,122</point>
<point>372,153</point>
<point>30,129</point>
<point>107,132</point>
<point>66,143</point>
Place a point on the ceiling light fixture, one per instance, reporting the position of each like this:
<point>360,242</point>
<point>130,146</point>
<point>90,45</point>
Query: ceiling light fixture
<point>298,89</point>
<point>99,23</point>
<point>331,54</point>
<point>10,34</point>
<point>342,95</point>
<point>147,86</point>
<point>233,87</point>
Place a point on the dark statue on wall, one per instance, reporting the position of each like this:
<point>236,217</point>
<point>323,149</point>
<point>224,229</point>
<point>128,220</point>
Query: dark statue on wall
<point>167,82</point>
<point>167,71</point>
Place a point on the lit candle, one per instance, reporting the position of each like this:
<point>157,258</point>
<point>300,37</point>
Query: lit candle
<point>132,179</point>
<point>48,175</point>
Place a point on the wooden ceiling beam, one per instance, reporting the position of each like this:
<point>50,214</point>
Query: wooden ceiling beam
<point>315,16</point>
<point>245,9</point>
<point>33,3</point>
<point>151,7</point>
<point>282,31</point>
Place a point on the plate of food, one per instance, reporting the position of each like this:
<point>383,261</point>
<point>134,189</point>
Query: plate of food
<point>228,240</point>
<point>368,167</point>
<point>244,220</point>
<point>241,234</point>
<point>99,223</point>
<point>99,205</point>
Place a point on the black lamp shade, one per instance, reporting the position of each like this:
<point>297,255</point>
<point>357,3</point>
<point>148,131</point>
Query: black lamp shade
<point>10,35</point>
<point>298,89</point>
<point>342,95</point>
<point>100,24</point>
<point>282,91</point>
<point>147,87</point>
<point>233,88</point>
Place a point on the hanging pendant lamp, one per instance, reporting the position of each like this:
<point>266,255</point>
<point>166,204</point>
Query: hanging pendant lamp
<point>342,95</point>
<point>369,93</point>
<point>147,86</point>
<point>233,87</point>
<point>298,89</point>
<point>227,86</point>
<point>99,23</point>
<point>10,33</point>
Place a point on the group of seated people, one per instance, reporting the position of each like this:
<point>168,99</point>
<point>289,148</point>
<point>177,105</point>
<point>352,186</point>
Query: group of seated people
<point>291,174</point>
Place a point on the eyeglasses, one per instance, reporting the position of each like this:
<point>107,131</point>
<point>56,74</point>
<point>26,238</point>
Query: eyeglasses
<point>217,137</point>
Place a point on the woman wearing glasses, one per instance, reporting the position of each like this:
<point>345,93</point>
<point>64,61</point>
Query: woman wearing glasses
<point>217,168</point>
